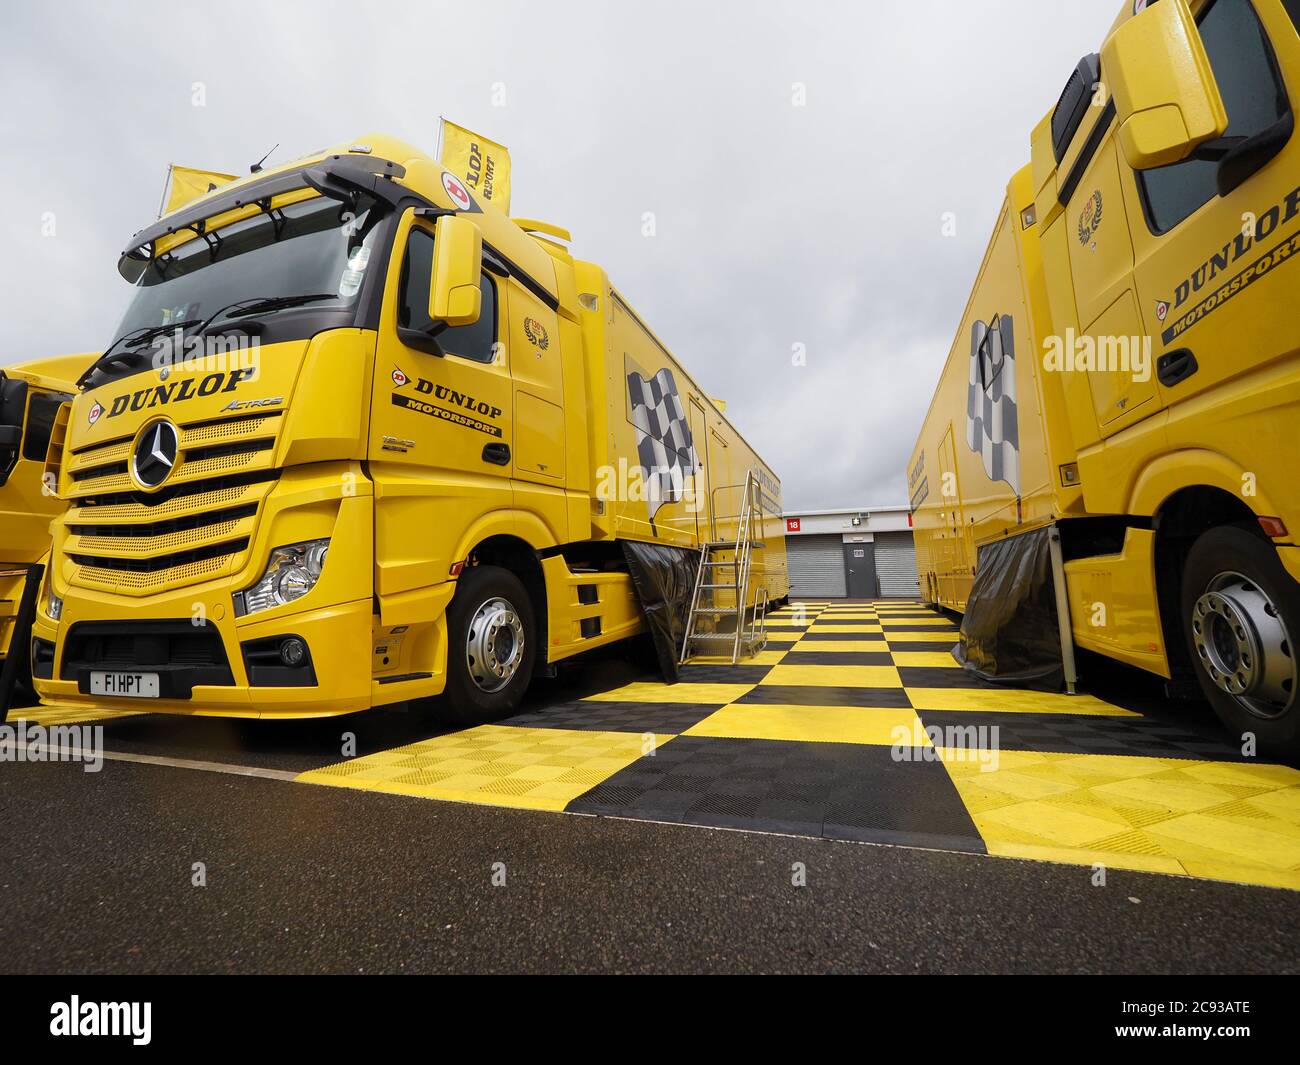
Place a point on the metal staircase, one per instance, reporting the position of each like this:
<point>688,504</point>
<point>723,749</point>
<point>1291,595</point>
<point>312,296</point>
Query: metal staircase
<point>721,611</point>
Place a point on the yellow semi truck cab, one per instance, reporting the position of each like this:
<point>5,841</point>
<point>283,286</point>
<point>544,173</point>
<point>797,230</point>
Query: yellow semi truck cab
<point>30,396</point>
<point>353,445</point>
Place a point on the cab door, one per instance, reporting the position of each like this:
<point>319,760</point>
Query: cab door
<point>1122,389</point>
<point>442,425</point>
<point>1217,239</point>
<point>533,341</point>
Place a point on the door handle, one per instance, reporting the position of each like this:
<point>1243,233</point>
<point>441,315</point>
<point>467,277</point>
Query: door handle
<point>1174,367</point>
<point>497,454</point>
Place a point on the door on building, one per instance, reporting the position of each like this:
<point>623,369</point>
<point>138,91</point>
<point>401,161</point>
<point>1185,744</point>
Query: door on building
<point>860,571</point>
<point>816,566</point>
<point>896,564</point>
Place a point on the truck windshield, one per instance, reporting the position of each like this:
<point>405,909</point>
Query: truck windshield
<point>317,248</point>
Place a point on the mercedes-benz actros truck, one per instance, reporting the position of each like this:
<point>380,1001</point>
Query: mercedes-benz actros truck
<point>362,439</point>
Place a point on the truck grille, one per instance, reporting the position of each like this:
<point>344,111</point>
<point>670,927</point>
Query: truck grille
<point>193,653</point>
<point>197,527</point>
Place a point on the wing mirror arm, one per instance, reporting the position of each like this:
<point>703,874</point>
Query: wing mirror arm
<point>425,340</point>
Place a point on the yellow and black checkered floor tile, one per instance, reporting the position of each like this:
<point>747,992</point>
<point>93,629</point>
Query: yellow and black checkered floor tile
<point>856,723</point>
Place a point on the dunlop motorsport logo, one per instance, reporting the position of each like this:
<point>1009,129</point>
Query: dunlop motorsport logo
<point>175,392</point>
<point>468,404</point>
<point>1232,252</point>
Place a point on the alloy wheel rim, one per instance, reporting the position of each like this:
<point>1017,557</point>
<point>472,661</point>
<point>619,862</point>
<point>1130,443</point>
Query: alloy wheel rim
<point>494,645</point>
<point>1243,645</point>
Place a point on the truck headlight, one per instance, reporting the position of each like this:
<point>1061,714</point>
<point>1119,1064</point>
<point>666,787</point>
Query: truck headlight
<point>290,574</point>
<point>54,606</point>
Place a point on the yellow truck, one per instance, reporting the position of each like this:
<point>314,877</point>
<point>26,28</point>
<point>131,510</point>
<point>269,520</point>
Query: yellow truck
<point>363,439</point>
<point>30,396</point>
<point>1126,372</point>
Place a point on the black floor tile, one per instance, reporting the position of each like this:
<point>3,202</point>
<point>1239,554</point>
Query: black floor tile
<point>824,695</point>
<point>1082,734</point>
<point>721,673</point>
<point>836,790</point>
<point>919,645</point>
<point>599,716</point>
<point>837,658</point>
<point>815,634</point>
<point>943,677</point>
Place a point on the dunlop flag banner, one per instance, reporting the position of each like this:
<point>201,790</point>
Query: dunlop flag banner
<point>482,164</point>
<point>187,184</point>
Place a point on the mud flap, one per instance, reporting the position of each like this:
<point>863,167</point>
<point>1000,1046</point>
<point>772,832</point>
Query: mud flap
<point>664,578</point>
<point>1010,633</point>
<point>19,649</point>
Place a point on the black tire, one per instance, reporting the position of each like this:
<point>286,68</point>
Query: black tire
<point>1250,581</point>
<point>464,700</point>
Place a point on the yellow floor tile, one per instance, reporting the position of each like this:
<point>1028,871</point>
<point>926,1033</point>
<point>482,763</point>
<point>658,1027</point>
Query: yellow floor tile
<point>67,715</point>
<point>917,623</point>
<point>835,676</point>
<point>685,692</point>
<point>813,724</point>
<point>859,627</point>
<point>494,765</point>
<point>1011,701</point>
<point>929,636</point>
<point>806,644</point>
<point>1170,815</point>
<point>931,659</point>
<point>1141,863</point>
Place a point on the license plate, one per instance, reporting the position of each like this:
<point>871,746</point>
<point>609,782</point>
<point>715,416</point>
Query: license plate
<point>130,685</point>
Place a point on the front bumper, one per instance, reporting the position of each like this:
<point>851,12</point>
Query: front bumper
<point>337,637</point>
<point>208,660</point>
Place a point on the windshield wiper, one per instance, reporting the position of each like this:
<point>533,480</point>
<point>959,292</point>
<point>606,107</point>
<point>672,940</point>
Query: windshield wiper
<point>263,305</point>
<point>132,339</point>
<point>239,309</point>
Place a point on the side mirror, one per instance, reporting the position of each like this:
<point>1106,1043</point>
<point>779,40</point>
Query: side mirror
<point>454,294</point>
<point>1166,99</point>
<point>13,411</point>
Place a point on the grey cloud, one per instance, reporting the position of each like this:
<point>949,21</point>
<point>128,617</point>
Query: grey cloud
<point>776,225</point>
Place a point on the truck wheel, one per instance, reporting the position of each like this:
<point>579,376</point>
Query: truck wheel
<point>1241,614</point>
<point>491,646</point>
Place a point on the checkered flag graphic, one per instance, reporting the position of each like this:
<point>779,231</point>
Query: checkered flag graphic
<point>663,438</point>
<point>992,430</point>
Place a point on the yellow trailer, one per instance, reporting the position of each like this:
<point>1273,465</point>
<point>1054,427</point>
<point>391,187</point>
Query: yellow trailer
<point>363,439</point>
<point>1144,398</point>
<point>30,396</point>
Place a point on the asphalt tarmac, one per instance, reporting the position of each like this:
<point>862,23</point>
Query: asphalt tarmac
<point>207,857</point>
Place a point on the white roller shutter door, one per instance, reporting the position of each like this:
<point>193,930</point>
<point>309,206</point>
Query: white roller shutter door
<point>896,564</point>
<point>816,566</point>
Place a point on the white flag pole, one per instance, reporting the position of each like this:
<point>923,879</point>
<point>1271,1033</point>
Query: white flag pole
<point>166,184</point>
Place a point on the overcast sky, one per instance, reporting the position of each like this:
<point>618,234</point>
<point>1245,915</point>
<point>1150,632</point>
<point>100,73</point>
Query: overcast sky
<point>775,224</point>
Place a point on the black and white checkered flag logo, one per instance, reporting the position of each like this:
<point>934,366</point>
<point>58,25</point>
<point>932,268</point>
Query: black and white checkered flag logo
<point>663,438</point>
<point>992,430</point>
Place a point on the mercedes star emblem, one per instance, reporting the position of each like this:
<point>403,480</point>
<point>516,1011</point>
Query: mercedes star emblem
<point>155,454</point>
